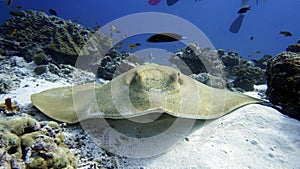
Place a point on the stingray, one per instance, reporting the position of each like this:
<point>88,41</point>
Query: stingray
<point>143,90</point>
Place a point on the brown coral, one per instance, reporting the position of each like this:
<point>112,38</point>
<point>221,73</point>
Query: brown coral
<point>27,143</point>
<point>283,80</point>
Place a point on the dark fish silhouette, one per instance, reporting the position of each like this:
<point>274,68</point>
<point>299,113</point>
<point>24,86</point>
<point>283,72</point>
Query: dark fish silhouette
<point>153,2</point>
<point>19,7</point>
<point>17,13</point>
<point>286,33</point>
<point>132,46</point>
<point>258,52</point>
<point>9,2</point>
<point>52,12</point>
<point>236,24</point>
<point>171,2</point>
<point>251,38</point>
<point>165,37</point>
<point>244,9</point>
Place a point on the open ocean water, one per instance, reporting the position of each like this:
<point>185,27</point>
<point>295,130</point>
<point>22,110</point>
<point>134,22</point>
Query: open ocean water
<point>258,35</point>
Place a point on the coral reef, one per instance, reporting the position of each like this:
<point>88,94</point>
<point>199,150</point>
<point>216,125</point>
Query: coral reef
<point>294,47</point>
<point>283,81</point>
<point>44,38</point>
<point>27,143</point>
<point>262,62</point>
<point>195,60</point>
<point>247,75</point>
<point>219,66</point>
<point>12,70</point>
<point>230,59</point>
<point>115,63</point>
<point>244,74</point>
<point>210,80</point>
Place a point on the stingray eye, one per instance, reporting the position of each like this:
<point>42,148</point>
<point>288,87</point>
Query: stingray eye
<point>130,76</point>
<point>180,78</point>
<point>177,78</point>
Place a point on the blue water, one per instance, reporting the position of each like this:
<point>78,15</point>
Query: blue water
<point>214,17</point>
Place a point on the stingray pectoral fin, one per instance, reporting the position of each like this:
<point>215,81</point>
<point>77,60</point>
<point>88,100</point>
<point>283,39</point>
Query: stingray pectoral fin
<point>58,103</point>
<point>218,102</point>
<point>140,91</point>
<point>211,102</point>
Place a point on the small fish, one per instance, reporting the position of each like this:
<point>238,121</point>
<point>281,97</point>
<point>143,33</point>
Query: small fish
<point>171,2</point>
<point>17,13</point>
<point>286,33</point>
<point>52,12</point>
<point>165,37</point>
<point>251,38</point>
<point>258,52</point>
<point>8,4</point>
<point>132,46</point>
<point>244,9</point>
<point>153,2</point>
<point>19,7</point>
<point>236,24</point>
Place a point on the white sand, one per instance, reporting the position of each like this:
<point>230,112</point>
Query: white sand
<point>22,94</point>
<point>254,136</point>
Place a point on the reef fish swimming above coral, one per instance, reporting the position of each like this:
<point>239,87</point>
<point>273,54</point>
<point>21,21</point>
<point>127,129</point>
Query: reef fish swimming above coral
<point>141,91</point>
<point>169,2</point>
